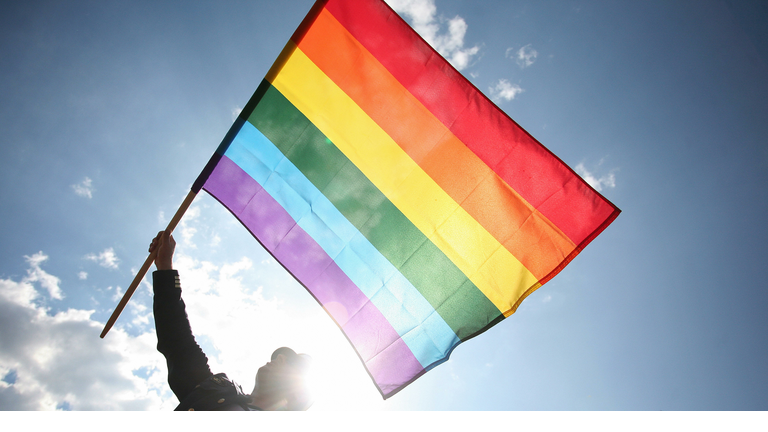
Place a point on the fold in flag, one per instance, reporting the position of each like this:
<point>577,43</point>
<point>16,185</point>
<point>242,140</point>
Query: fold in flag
<point>413,209</point>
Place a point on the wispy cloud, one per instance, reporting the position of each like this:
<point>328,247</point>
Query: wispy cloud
<point>424,18</point>
<point>84,188</point>
<point>236,112</point>
<point>187,228</point>
<point>106,259</point>
<point>599,183</point>
<point>524,57</point>
<point>504,90</point>
<point>36,274</point>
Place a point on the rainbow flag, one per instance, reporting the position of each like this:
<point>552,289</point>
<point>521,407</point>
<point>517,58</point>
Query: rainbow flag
<point>413,209</point>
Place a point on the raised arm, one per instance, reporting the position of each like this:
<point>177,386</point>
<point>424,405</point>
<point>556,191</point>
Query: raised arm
<point>187,364</point>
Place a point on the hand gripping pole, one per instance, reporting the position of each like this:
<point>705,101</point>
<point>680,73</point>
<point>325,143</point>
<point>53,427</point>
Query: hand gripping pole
<point>143,271</point>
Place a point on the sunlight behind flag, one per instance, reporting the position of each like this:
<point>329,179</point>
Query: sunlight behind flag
<point>410,206</point>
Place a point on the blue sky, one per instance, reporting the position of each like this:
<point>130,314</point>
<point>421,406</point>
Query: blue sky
<point>109,110</point>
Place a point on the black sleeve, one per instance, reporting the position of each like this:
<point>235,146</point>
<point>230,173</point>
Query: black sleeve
<point>187,364</point>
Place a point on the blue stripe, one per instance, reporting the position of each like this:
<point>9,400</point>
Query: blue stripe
<point>410,314</point>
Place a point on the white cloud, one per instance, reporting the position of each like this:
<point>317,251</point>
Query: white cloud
<point>106,259</point>
<point>504,90</point>
<point>524,57</point>
<point>82,275</point>
<point>187,230</point>
<point>118,292</point>
<point>425,20</point>
<point>236,112</point>
<point>84,188</point>
<point>607,180</point>
<point>59,361</point>
<point>37,274</point>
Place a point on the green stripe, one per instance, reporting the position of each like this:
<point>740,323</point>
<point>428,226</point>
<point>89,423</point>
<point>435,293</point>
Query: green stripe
<point>458,301</point>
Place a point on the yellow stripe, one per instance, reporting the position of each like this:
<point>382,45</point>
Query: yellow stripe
<point>490,266</point>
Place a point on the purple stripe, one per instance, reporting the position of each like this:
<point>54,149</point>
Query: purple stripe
<point>394,367</point>
<point>364,325</point>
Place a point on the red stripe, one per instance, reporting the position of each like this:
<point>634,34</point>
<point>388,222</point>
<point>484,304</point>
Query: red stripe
<point>533,171</point>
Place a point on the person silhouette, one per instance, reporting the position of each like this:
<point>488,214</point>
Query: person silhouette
<point>280,384</point>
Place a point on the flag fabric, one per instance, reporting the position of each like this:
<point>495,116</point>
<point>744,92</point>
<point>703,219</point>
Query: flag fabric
<point>411,207</point>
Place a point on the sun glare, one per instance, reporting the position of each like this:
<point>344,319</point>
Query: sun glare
<point>339,384</point>
<point>338,379</point>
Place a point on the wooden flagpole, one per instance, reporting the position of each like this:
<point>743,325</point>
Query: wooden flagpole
<point>150,259</point>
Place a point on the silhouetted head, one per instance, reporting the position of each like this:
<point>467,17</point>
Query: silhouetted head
<point>283,381</point>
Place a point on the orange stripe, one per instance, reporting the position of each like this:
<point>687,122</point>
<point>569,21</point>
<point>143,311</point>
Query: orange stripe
<point>523,231</point>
